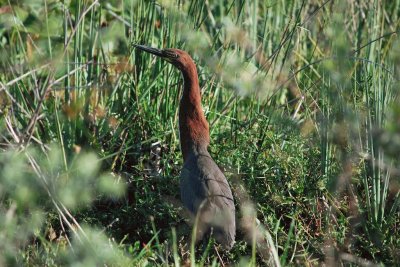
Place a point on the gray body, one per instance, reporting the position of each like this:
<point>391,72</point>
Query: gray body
<point>205,192</point>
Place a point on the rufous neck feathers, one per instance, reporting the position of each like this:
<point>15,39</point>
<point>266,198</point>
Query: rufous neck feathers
<point>193,126</point>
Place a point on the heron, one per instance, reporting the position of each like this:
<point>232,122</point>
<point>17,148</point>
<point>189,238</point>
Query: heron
<point>204,189</point>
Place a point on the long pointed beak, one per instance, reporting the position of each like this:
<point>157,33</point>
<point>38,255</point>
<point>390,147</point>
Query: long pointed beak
<point>163,53</point>
<point>151,50</point>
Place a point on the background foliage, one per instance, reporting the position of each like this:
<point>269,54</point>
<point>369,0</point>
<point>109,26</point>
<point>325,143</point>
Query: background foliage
<point>301,96</point>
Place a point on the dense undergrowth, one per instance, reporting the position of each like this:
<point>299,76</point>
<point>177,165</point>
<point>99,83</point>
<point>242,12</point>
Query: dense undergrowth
<point>302,98</point>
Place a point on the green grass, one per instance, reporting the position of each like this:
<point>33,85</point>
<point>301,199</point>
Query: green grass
<point>302,100</point>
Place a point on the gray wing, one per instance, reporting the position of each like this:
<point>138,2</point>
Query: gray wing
<point>215,181</point>
<point>204,189</point>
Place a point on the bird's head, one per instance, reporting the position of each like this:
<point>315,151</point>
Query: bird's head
<point>176,57</point>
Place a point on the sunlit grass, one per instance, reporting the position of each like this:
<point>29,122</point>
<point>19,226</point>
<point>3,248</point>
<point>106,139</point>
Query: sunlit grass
<point>302,101</point>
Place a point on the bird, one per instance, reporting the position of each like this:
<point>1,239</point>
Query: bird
<point>204,189</point>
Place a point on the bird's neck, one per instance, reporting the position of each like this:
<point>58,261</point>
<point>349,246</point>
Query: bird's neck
<point>193,126</point>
